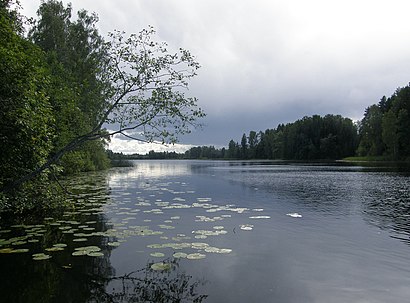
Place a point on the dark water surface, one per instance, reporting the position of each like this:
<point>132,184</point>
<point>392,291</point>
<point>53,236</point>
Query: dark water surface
<point>244,231</point>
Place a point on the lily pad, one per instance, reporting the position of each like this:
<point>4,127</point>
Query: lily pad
<point>246,227</point>
<point>180,255</point>
<point>6,251</point>
<point>114,244</point>
<point>259,217</point>
<point>41,256</point>
<point>20,250</point>
<point>19,243</point>
<point>163,226</point>
<point>218,227</point>
<point>95,254</point>
<point>52,249</point>
<point>80,253</point>
<point>33,241</point>
<point>200,237</point>
<point>61,245</point>
<point>195,256</point>
<point>157,254</point>
<point>294,215</point>
<point>199,245</point>
<point>160,266</point>
<point>218,250</point>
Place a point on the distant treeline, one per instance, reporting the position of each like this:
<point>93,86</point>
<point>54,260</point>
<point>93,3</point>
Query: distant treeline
<point>316,137</point>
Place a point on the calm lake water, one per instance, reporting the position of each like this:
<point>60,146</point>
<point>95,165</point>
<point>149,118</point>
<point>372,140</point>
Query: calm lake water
<point>214,231</point>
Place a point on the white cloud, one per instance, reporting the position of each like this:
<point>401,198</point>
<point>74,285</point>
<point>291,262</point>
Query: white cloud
<point>128,146</point>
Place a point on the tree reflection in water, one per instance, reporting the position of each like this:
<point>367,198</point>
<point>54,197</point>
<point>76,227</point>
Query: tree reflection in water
<point>148,285</point>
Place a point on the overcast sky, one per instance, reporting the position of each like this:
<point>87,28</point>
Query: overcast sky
<point>266,62</point>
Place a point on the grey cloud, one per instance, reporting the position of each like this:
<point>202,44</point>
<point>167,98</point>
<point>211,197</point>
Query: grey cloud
<point>270,62</point>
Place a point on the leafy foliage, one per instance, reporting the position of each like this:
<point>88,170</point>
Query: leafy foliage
<point>329,137</point>
<point>26,116</point>
<point>146,88</point>
<point>385,128</point>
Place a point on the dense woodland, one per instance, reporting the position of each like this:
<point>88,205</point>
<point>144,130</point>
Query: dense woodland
<point>50,94</point>
<point>61,83</point>
<point>385,129</point>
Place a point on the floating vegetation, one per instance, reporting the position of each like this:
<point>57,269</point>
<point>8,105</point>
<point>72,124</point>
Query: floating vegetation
<point>20,250</point>
<point>161,266</point>
<point>218,250</point>
<point>95,254</point>
<point>159,205</point>
<point>246,226</point>
<point>157,254</point>
<point>163,226</point>
<point>195,256</point>
<point>200,237</point>
<point>79,253</point>
<point>174,246</point>
<point>91,251</point>
<point>41,256</point>
<point>19,243</point>
<point>199,245</point>
<point>6,250</point>
<point>207,219</point>
<point>114,244</point>
<point>294,215</point>
<point>204,199</point>
<point>53,249</point>
<point>180,255</point>
<point>179,199</point>
<point>62,245</point>
<point>210,232</point>
<point>33,241</point>
<point>13,251</point>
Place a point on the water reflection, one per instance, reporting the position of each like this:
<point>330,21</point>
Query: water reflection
<point>148,285</point>
<point>62,277</point>
<point>378,191</point>
<point>386,204</point>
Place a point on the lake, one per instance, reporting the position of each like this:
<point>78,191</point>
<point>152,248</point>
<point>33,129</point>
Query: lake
<point>218,231</point>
